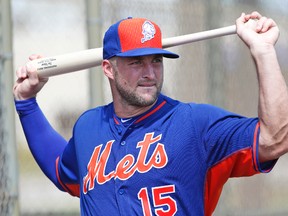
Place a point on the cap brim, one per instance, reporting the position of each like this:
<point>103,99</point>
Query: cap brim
<point>147,51</point>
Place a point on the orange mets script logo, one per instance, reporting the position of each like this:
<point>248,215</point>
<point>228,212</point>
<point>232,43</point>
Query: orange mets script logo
<point>127,166</point>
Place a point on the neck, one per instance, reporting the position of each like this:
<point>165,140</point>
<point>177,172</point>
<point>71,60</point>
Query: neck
<point>127,111</point>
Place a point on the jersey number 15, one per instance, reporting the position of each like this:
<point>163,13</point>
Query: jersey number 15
<point>164,204</point>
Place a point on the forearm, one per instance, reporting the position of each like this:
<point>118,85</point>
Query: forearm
<point>273,103</point>
<point>44,142</point>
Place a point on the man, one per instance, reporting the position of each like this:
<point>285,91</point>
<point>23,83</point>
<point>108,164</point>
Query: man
<point>145,153</point>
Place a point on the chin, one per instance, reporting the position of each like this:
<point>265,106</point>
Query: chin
<point>149,99</point>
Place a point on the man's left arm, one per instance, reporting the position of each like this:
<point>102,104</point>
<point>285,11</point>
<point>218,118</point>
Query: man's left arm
<point>273,95</point>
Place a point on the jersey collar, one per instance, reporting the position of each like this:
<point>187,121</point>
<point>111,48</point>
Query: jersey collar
<point>141,118</point>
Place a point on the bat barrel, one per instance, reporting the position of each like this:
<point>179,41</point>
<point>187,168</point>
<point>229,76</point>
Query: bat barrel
<point>189,38</point>
<point>66,63</point>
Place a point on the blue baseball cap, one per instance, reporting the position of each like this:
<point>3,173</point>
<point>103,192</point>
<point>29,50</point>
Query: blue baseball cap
<point>134,37</point>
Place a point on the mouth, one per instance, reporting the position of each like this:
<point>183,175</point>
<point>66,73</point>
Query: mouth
<point>147,84</point>
<point>147,87</point>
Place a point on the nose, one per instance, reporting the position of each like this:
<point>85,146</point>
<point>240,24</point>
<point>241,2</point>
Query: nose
<point>148,71</point>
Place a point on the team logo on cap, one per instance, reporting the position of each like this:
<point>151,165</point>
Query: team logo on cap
<point>148,31</point>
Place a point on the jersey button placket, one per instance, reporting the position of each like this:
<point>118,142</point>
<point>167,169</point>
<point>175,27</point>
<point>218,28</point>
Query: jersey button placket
<point>121,191</point>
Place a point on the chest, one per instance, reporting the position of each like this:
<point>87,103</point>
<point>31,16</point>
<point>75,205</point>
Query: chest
<point>124,153</point>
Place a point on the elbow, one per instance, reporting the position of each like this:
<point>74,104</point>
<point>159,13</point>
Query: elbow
<point>272,147</point>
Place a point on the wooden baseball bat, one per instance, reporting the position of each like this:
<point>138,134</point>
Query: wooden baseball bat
<point>66,63</point>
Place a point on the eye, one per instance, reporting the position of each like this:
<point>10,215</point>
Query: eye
<point>135,62</point>
<point>158,59</point>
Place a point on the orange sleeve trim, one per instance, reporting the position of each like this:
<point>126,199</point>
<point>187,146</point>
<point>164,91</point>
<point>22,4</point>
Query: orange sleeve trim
<point>72,189</point>
<point>256,162</point>
<point>255,147</point>
<point>238,164</point>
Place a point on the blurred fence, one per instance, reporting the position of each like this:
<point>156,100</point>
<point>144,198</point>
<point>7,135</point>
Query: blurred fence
<point>219,71</point>
<point>8,160</point>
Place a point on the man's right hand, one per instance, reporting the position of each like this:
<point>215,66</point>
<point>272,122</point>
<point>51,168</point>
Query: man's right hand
<point>28,83</point>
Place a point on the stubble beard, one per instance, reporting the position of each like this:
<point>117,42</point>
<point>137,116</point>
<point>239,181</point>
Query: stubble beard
<point>135,98</point>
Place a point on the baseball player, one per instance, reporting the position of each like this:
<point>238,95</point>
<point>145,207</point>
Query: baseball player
<point>148,154</point>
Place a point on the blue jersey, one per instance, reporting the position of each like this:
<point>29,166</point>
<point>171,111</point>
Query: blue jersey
<point>172,160</point>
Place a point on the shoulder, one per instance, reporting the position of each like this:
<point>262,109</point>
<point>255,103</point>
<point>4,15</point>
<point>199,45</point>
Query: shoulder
<point>209,110</point>
<point>198,110</point>
<point>96,114</point>
<point>203,116</point>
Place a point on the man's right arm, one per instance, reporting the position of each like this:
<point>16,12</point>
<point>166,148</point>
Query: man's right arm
<point>45,144</point>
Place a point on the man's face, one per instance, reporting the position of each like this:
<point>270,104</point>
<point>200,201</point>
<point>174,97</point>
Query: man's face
<point>138,80</point>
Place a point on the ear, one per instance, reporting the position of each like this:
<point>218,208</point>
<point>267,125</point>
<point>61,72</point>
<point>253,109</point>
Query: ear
<point>108,69</point>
